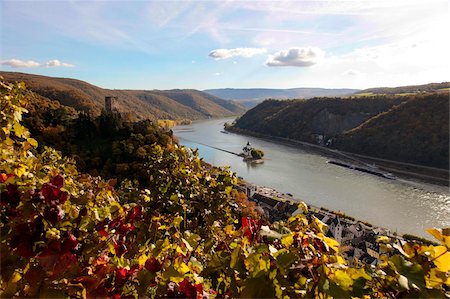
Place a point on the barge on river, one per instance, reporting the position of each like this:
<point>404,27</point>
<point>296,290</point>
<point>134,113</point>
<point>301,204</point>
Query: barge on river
<point>373,171</point>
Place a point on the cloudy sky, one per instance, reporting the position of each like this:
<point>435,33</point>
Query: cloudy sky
<point>215,44</point>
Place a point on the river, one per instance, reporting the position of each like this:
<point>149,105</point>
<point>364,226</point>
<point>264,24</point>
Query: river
<point>403,206</point>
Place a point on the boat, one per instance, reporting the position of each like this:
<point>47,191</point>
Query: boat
<point>374,171</point>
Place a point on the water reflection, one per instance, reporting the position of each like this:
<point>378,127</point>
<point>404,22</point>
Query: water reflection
<point>253,164</point>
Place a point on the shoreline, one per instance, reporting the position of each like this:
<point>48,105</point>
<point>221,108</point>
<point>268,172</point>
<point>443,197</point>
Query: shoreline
<point>404,170</point>
<point>357,238</point>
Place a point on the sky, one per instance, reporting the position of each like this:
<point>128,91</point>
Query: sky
<point>229,44</point>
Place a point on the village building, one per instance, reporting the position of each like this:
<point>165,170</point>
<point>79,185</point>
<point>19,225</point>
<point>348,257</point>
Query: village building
<point>357,239</point>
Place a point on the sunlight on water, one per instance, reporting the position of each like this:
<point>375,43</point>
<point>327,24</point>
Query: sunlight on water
<point>404,206</point>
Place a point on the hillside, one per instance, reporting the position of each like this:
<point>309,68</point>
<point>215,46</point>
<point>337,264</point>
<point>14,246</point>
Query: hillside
<point>140,104</point>
<point>306,119</point>
<point>416,130</point>
<point>250,97</point>
<point>408,128</point>
<point>431,87</point>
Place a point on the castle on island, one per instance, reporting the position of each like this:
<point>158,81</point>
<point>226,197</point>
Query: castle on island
<point>247,150</point>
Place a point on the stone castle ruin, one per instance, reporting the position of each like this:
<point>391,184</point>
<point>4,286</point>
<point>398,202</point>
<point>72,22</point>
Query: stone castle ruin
<point>108,104</point>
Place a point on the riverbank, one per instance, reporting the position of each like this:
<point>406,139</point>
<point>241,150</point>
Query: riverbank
<point>401,169</point>
<point>358,239</point>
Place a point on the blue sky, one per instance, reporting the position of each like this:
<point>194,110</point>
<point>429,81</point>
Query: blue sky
<point>217,44</point>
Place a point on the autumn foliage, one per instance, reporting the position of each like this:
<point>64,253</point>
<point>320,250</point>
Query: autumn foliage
<point>69,234</point>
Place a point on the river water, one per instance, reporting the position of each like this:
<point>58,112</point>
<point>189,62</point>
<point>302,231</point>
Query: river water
<point>403,206</point>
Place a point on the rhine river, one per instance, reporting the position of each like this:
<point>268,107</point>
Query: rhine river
<point>403,206</point>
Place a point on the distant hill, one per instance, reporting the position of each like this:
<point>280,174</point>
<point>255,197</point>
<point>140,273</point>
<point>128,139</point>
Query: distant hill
<point>140,104</point>
<point>250,97</point>
<point>410,128</point>
<point>431,87</point>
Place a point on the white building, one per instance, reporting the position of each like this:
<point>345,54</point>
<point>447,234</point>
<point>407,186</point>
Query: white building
<point>247,150</point>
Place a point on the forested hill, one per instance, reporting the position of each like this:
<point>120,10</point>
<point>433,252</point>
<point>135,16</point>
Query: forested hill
<point>431,87</point>
<point>409,128</point>
<point>416,130</point>
<point>250,97</point>
<point>140,104</point>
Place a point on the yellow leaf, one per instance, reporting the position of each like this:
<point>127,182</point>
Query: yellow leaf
<point>8,141</point>
<point>342,279</point>
<point>288,240</point>
<point>383,239</point>
<point>442,261</point>
<point>111,248</point>
<point>441,237</point>
<point>303,206</point>
<point>177,220</point>
<point>436,278</point>
<point>235,256</point>
<point>320,225</point>
<point>20,171</point>
<point>19,130</point>
<point>264,264</point>
<point>142,259</point>
<point>17,116</point>
<point>33,142</point>
<point>183,251</point>
<point>357,273</point>
<point>11,286</point>
<point>229,229</point>
<point>195,266</point>
<point>332,243</point>
<point>182,268</point>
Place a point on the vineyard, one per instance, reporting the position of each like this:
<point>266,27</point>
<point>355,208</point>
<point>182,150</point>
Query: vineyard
<point>185,233</point>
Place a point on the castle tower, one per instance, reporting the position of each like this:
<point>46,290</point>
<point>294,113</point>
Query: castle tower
<point>108,104</point>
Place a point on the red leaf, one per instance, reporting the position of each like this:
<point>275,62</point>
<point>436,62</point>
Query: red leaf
<point>122,276</point>
<point>53,260</point>
<point>135,214</point>
<point>152,265</point>
<point>188,289</point>
<point>103,233</point>
<point>58,181</point>
<point>70,243</point>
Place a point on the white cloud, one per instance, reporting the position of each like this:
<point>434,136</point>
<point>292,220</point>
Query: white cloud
<point>243,52</point>
<point>217,74</point>
<point>56,63</point>
<point>17,63</point>
<point>301,57</point>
